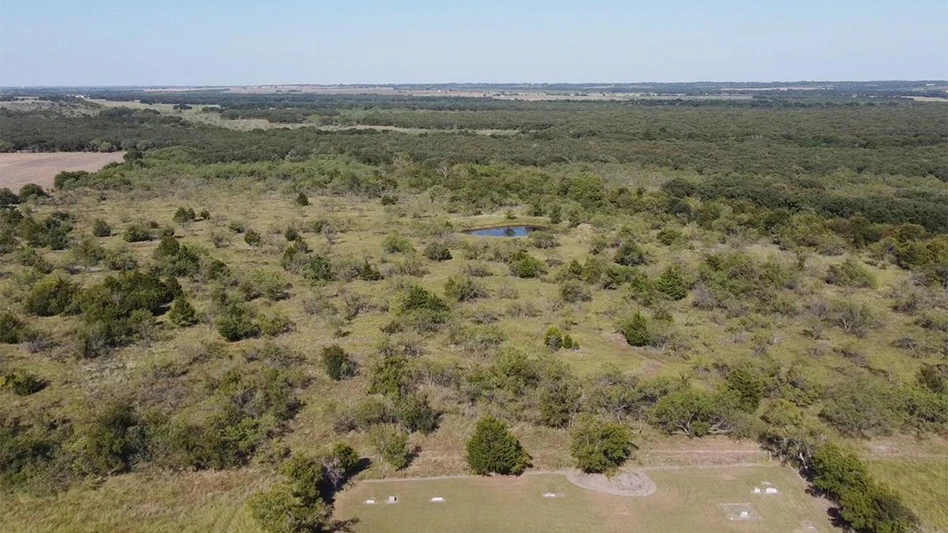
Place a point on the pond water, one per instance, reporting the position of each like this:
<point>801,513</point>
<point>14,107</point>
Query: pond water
<point>504,231</point>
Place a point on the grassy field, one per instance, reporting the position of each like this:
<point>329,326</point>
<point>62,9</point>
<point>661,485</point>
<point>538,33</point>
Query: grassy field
<point>687,500</point>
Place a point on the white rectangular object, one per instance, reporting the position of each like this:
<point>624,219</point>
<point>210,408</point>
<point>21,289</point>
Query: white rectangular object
<point>771,490</point>
<point>437,499</point>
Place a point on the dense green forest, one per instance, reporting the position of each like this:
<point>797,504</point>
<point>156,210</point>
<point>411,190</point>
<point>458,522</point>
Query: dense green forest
<point>303,299</point>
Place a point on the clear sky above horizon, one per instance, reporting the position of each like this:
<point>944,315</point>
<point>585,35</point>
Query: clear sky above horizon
<point>240,42</point>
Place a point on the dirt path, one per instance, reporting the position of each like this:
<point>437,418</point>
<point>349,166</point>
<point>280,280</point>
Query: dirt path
<point>18,169</point>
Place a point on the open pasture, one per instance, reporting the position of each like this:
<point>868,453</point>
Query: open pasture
<point>687,500</point>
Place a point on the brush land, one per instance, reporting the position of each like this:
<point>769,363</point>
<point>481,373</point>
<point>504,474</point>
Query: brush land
<point>241,328</point>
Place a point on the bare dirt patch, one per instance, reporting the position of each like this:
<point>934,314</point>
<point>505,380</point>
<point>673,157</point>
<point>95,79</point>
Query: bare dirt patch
<point>18,169</point>
<point>628,483</point>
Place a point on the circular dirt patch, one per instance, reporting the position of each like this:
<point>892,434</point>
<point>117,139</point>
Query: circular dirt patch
<point>629,483</point>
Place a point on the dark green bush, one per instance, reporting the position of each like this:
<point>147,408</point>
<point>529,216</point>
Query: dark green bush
<point>32,191</point>
<point>629,254</point>
<point>636,330</point>
<point>463,289</point>
<point>52,295</point>
<point>493,449</point>
<point>8,197</point>
<point>252,238</point>
<point>600,446</point>
<point>302,199</point>
<point>395,243</point>
<point>101,228</point>
<point>850,273</point>
<point>182,313</point>
<point>415,413</point>
<point>438,251</point>
<point>337,363</point>
<point>524,265</point>
<point>391,442</point>
<point>138,232</point>
<point>237,323</point>
<point>574,291</point>
<point>184,215</point>
<point>12,328</point>
<point>23,383</point>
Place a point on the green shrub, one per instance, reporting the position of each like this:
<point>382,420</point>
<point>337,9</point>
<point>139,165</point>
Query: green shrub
<point>524,265</point>
<point>252,238</point>
<point>438,251</point>
<point>553,338</point>
<point>463,289</point>
<point>421,308</point>
<point>138,233</point>
<point>629,254</point>
<point>237,323</point>
<point>52,231</point>
<point>32,191</point>
<point>184,215</point>
<point>493,449</point>
<point>368,272</point>
<point>109,443</point>
<point>12,328</point>
<point>87,252</point>
<point>302,199</point>
<point>271,285</point>
<point>636,330</point>
<point>101,228</point>
<point>415,413</point>
<point>850,273</point>
<point>52,295</point>
<point>8,197</point>
<point>395,243</point>
<point>672,283</point>
<point>337,363</point>
<point>600,446</point>
<point>574,291</point>
<point>670,236</point>
<point>23,383</point>
<point>391,375</point>
<point>391,442</point>
<point>182,313</point>
<point>120,258</point>
<point>543,240</point>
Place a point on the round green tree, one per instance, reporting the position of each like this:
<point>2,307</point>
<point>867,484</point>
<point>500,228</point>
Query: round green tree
<point>494,449</point>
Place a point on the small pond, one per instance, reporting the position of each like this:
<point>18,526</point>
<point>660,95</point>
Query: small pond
<point>504,231</point>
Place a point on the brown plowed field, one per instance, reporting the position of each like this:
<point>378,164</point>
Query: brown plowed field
<point>18,169</point>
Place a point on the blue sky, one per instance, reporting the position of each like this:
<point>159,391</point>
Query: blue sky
<point>216,42</point>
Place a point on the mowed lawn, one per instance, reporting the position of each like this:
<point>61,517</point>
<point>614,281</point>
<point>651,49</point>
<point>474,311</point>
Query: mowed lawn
<point>687,500</point>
